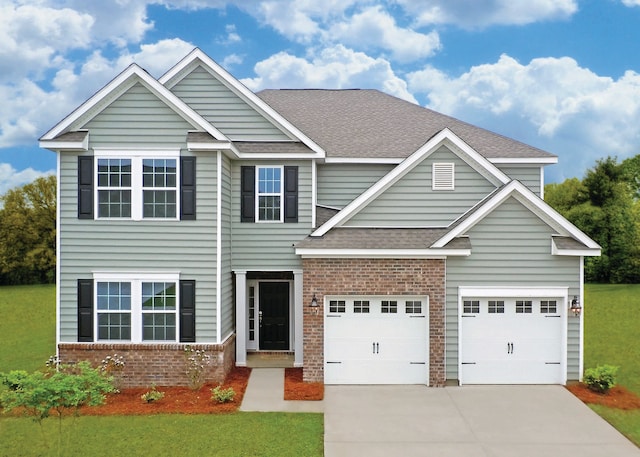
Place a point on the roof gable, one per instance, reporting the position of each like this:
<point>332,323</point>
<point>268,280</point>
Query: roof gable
<point>444,137</point>
<point>197,58</point>
<point>113,90</point>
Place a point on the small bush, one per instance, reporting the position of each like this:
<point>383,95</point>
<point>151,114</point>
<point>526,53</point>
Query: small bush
<point>601,378</point>
<point>152,395</point>
<point>220,395</point>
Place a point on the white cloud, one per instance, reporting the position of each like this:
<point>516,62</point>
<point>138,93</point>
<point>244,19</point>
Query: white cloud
<point>231,60</point>
<point>10,177</point>
<point>158,57</point>
<point>374,27</point>
<point>336,67</point>
<point>566,109</point>
<point>631,3</point>
<point>483,13</point>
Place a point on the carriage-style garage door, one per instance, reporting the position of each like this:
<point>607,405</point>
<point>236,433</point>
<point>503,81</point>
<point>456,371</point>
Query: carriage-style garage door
<point>512,340</point>
<point>376,340</point>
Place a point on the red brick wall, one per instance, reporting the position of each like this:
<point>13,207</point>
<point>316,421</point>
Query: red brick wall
<point>159,364</point>
<point>373,277</point>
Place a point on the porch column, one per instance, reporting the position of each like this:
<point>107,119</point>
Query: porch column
<point>298,306</point>
<point>241,318</point>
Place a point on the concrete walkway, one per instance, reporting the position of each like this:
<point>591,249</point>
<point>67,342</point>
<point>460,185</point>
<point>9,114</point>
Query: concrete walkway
<point>265,392</point>
<point>470,421</point>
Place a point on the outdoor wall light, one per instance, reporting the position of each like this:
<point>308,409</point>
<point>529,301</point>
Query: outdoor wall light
<point>314,304</point>
<point>575,306</point>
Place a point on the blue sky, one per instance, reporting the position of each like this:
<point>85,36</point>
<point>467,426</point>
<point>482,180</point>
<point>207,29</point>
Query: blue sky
<point>562,75</point>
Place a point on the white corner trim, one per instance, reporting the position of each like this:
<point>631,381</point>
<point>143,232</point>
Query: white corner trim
<point>240,90</point>
<point>219,246</point>
<point>445,136</point>
<point>130,75</point>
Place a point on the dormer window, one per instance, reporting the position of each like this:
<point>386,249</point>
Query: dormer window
<point>443,176</point>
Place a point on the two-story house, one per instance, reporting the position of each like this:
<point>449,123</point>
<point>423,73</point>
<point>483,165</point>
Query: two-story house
<point>375,240</point>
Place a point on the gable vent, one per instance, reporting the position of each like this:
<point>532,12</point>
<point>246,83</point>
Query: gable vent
<point>443,178</point>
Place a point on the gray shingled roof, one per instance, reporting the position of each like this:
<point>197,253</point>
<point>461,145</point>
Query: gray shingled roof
<point>369,123</point>
<point>282,147</point>
<point>73,136</point>
<point>380,238</point>
<point>567,242</point>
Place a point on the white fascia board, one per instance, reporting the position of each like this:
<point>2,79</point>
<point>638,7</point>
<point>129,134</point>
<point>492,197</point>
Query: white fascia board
<point>212,146</point>
<point>524,160</point>
<point>172,77</point>
<point>309,253</point>
<point>278,156</point>
<point>126,79</point>
<point>555,250</point>
<point>54,145</point>
<point>445,136</point>
<point>531,202</point>
<point>364,160</point>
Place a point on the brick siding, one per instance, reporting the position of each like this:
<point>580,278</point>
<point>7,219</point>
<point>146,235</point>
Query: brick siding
<point>373,277</point>
<point>159,364</point>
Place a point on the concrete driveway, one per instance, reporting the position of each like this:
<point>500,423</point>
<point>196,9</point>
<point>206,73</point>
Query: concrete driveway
<point>465,421</point>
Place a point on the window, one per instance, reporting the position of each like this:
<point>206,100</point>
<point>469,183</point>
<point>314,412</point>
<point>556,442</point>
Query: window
<point>442,176</point>
<point>269,194</point>
<point>548,307</point>
<point>496,307</point>
<point>524,306</point>
<point>337,306</point>
<point>361,306</point>
<point>142,186</point>
<point>136,310</point>
<point>471,306</point>
<point>413,307</point>
<point>389,307</point>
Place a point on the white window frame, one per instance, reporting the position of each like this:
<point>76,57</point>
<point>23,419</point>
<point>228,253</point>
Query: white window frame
<point>136,280</point>
<point>136,157</point>
<point>443,176</point>
<point>269,194</point>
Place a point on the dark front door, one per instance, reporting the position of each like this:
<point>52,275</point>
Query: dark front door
<point>274,316</point>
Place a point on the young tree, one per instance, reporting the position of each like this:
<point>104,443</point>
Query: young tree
<point>28,233</point>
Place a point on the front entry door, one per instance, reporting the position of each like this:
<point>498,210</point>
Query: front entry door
<point>274,316</point>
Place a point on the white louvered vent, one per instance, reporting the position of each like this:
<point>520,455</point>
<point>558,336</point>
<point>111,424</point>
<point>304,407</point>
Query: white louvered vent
<point>443,176</point>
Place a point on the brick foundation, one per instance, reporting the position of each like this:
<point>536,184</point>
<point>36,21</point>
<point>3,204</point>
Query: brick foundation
<point>159,364</point>
<point>373,277</point>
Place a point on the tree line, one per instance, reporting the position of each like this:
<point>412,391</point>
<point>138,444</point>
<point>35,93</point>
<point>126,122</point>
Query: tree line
<point>28,233</point>
<point>605,205</point>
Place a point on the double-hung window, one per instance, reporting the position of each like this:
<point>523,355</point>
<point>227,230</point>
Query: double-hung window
<point>137,186</point>
<point>142,308</point>
<point>269,194</point>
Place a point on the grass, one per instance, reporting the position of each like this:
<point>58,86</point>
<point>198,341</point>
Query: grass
<point>27,326</point>
<point>239,434</point>
<point>612,320</point>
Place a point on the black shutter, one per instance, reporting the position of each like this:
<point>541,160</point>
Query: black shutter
<point>291,194</point>
<point>187,311</point>
<point>85,187</point>
<point>247,194</point>
<point>188,188</point>
<point>85,310</point>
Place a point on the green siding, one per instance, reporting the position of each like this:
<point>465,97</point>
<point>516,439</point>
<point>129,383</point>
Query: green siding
<point>152,246</point>
<point>412,202</point>
<point>224,109</point>
<point>339,184</point>
<point>227,305</point>
<point>510,247</point>
<point>138,117</point>
<point>529,175</point>
<point>269,246</point>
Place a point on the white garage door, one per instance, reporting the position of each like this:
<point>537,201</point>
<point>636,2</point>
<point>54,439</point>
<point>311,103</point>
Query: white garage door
<point>376,340</point>
<point>512,340</point>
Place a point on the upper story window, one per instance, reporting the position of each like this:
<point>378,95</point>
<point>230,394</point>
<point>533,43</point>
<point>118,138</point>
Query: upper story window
<point>137,187</point>
<point>269,194</point>
<point>443,176</point>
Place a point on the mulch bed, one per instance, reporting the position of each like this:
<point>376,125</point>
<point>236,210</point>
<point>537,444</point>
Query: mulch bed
<point>296,389</point>
<point>177,400</point>
<point>617,397</point>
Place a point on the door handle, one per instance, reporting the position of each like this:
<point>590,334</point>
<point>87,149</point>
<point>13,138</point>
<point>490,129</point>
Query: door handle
<point>512,348</point>
<point>376,348</point>
<point>509,348</point>
<point>260,317</point>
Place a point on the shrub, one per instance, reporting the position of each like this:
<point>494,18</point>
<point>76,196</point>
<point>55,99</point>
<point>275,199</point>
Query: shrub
<point>601,378</point>
<point>152,395</point>
<point>113,365</point>
<point>195,362</point>
<point>220,395</point>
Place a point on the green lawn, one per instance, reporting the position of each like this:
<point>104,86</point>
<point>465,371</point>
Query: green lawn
<point>612,321</point>
<point>27,326</point>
